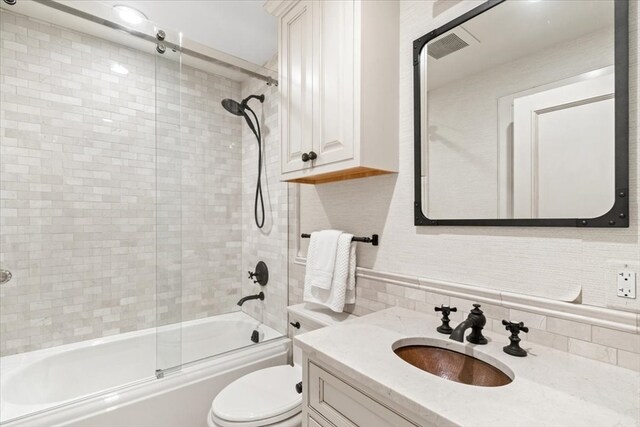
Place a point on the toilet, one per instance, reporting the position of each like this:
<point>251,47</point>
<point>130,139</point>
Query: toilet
<point>268,397</point>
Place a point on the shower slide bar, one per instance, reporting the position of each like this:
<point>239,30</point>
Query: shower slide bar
<point>154,39</point>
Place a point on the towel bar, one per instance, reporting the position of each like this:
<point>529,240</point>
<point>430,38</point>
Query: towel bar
<point>373,239</point>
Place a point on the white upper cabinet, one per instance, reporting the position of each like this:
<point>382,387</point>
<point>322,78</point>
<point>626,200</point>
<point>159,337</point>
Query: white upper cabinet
<point>339,88</point>
<point>296,85</point>
<point>333,81</point>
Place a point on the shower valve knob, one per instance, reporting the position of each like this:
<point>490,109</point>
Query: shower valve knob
<point>261,275</point>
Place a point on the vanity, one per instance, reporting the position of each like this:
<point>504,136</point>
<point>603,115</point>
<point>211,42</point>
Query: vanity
<point>353,377</point>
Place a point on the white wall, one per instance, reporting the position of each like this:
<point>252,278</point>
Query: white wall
<point>536,261</point>
<point>432,265</point>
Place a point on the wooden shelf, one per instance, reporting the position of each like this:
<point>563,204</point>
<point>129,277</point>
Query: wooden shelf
<point>342,175</point>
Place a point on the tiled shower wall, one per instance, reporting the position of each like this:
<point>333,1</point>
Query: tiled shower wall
<point>91,201</point>
<point>268,244</point>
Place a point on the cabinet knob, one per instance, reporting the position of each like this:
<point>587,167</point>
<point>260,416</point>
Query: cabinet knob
<point>309,156</point>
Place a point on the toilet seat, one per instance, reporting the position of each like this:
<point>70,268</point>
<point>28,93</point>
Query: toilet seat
<point>261,398</point>
<point>294,421</point>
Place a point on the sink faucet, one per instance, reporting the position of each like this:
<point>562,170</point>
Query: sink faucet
<point>259,296</point>
<point>476,322</point>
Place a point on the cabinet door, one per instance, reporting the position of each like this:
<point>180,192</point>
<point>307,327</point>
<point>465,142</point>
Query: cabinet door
<point>333,80</point>
<point>312,422</point>
<point>296,86</point>
<point>346,406</point>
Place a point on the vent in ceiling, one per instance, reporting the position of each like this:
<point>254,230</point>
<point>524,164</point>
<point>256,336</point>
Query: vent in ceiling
<point>446,46</point>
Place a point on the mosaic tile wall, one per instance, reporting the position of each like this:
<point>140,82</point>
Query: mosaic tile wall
<point>268,244</point>
<point>84,180</point>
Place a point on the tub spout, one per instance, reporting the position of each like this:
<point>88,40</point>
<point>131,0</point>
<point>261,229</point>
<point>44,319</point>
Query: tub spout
<point>259,296</point>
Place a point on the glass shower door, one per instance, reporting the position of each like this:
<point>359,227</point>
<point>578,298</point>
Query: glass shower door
<point>89,192</point>
<point>169,163</point>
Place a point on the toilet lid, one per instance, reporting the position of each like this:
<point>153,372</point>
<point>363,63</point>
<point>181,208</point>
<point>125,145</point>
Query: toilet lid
<point>260,395</point>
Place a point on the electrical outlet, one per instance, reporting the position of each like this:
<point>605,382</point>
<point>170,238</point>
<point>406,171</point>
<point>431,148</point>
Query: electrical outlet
<point>611,276</point>
<point>627,284</point>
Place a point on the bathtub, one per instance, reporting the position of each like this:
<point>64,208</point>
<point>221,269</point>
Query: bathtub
<point>113,380</point>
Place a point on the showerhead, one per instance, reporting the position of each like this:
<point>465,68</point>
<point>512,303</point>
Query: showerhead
<point>240,109</point>
<point>236,108</point>
<point>233,107</point>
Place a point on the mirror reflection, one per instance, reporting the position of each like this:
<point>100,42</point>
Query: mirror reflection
<point>518,113</point>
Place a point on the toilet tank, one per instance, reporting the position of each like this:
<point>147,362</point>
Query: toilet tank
<point>311,317</point>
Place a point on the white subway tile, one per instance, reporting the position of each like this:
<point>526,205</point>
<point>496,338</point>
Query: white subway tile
<point>593,351</point>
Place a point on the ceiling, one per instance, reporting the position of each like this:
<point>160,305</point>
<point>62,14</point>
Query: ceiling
<point>239,27</point>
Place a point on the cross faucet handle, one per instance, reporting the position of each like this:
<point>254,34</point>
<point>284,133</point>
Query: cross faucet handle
<point>515,328</point>
<point>514,348</point>
<point>446,310</point>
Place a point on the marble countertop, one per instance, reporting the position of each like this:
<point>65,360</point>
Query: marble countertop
<point>549,387</point>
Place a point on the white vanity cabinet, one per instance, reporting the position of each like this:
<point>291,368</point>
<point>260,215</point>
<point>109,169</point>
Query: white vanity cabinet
<point>338,83</point>
<point>331,401</point>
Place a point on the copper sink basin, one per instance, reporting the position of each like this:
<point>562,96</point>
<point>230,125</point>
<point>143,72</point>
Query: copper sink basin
<point>453,366</point>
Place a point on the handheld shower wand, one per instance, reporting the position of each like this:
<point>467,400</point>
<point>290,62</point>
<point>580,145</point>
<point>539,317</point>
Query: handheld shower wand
<point>240,109</point>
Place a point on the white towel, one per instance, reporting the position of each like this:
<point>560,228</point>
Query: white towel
<point>343,283</point>
<point>321,258</point>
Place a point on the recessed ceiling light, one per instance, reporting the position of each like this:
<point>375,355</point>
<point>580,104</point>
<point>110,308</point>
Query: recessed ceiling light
<point>117,68</point>
<point>129,14</point>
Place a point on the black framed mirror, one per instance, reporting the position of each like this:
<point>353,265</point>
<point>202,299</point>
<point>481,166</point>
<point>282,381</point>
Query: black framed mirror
<point>521,116</point>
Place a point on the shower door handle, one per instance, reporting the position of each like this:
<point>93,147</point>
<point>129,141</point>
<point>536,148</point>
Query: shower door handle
<point>5,276</point>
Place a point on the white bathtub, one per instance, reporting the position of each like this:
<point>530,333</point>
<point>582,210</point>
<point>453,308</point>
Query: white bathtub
<point>112,381</point>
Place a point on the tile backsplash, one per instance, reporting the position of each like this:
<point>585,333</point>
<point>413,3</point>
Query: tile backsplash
<point>581,337</point>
